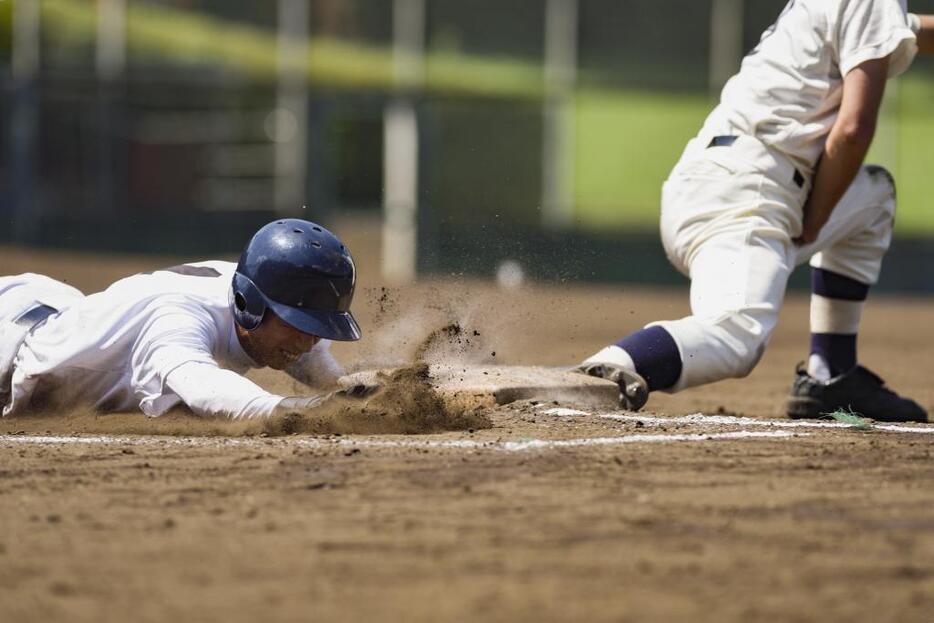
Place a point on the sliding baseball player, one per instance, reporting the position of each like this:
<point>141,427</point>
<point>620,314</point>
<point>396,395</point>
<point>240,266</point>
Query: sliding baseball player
<point>185,334</point>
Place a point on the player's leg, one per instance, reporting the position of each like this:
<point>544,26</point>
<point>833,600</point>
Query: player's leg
<point>738,281</point>
<point>20,292</point>
<point>727,225</point>
<point>845,262</point>
<point>19,295</point>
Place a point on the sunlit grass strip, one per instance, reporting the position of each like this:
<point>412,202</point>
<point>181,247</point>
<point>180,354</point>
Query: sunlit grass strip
<point>628,141</point>
<point>192,38</point>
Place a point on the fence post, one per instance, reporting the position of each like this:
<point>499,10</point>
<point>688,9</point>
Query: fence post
<point>24,121</point>
<point>291,114</point>
<point>726,41</point>
<point>558,148</point>
<point>400,145</point>
<point>110,66</point>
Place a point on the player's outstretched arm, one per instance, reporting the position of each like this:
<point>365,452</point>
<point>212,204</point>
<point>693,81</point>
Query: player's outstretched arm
<point>209,390</point>
<point>847,144</point>
<point>924,29</point>
<point>212,391</point>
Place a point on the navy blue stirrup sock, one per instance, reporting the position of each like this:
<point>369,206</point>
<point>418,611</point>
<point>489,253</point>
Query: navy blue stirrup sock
<point>656,356</point>
<point>836,347</point>
<point>839,351</point>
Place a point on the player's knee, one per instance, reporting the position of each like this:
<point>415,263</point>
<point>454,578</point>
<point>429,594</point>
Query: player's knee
<point>749,360</point>
<point>880,173</point>
<point>743,337</point>
<point>882,177</point>
<point>746,358</point>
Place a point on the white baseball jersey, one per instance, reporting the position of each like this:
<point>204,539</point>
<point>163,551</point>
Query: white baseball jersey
<point>789,88</point>
<point>147,342</point>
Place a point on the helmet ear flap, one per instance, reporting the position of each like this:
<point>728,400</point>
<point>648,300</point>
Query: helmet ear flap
<point>246,302</point>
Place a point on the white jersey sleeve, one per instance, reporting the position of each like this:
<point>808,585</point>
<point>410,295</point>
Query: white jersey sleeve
<point>172,361</point>
<point>874,29</point>
<point>212,391</point>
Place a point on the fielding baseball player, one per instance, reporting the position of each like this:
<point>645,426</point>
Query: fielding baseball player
<point>183,334</point>
<point>774,178</point>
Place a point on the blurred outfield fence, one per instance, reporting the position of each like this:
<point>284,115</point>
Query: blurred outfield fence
<point>480,130</point>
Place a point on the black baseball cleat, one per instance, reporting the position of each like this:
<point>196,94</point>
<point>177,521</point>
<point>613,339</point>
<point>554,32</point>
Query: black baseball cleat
<point>858,390</point>
<point>633,390</point>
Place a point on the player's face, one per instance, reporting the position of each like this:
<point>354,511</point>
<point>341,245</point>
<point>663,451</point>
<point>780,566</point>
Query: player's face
<point>275,344</point>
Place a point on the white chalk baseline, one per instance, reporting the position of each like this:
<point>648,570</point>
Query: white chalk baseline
<point>732,420</point>
<point>469,444</point>
<point>517,445</point>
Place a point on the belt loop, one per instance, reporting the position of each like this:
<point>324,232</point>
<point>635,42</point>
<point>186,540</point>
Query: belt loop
<point>31,318</point>
<point>726,140</point>
<point>722,141</point>
<point>798,179</point>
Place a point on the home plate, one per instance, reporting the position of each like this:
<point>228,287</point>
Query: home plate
<point>488,386</point>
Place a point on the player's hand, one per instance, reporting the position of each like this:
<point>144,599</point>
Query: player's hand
<point>812,223</point>
<point>301,404</point>
<point>809,233</point>
<point>359,391</point>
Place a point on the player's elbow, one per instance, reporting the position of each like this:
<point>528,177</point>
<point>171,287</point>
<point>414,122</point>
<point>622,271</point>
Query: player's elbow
<point>855,133</point>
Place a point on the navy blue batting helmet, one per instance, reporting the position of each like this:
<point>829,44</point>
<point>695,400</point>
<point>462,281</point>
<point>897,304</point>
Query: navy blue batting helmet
<point>303,273</point>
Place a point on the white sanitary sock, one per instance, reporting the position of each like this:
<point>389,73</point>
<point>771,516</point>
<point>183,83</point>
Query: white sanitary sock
<point>615,355</point>
<point>818,368</point>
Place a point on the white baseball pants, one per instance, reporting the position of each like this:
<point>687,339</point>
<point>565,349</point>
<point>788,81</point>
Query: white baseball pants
<point>19,294</point>
<point>728,218</point>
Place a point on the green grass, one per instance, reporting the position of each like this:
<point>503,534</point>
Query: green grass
<point>191,38</point>
<point>627,143</point>
<point>914,150</point>
<point>851,418</point>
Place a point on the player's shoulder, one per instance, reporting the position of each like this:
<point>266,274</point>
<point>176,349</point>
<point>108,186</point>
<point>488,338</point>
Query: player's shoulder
<point>859,9</point>
<point>205,268</point>
<point>197,284</point>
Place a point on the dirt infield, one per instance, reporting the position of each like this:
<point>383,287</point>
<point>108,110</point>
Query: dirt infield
<point>554,513</point>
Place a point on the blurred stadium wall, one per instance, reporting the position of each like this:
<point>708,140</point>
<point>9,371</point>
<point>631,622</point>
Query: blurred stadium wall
<point>462,133</point>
